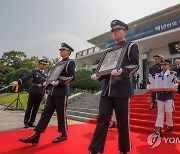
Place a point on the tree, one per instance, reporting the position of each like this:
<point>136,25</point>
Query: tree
<point>8,78</point>
<point>4,71</point>
<point>83,81</point>
<point>13,59</point>
<point>30,63</point>
<point>18,74</point>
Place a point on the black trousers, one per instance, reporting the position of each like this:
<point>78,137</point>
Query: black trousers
<point>106,106</point>
<point>58,103</point>
<point>153,97</point>
<point>32,108</point>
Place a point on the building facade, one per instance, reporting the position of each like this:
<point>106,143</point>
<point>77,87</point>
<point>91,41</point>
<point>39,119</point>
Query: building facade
<point>158,33</point>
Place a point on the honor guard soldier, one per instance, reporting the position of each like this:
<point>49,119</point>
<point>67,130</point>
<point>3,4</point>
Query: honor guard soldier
<point>156,68</point>
<point>116,93</point>
<point>57,100</point>
<point>165,103</point>
<point>36,92</point>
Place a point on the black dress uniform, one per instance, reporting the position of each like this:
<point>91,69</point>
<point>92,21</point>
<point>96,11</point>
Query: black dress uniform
<point>36,93</point>
<point>177,69</point>
<point>156,68</point>
<point>115,94</point>
<point>57,100</point>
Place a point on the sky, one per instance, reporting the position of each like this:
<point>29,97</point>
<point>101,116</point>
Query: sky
<point>38,27</point>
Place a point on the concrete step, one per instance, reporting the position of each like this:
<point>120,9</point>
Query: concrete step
<point>85,100</point>
<point>94,111</point>
<point>81,114</point>
<point>84,103</point>
<point>90,106</point>
<point>90,96</point>
<point>78,118</point>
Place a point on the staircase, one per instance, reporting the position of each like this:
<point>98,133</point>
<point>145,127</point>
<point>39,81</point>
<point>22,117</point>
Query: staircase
<point>143,120</point>
<point>85,108</point>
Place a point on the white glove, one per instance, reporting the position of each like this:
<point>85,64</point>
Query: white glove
<point>55,83</point>
<point>176,85</point>
<point>94,77</point>
<point>45,84</point>
<point>116,72</point>
<point>45,96</point>
<point>14,83</point>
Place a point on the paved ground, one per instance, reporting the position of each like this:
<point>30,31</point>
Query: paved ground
<point>13,120</point>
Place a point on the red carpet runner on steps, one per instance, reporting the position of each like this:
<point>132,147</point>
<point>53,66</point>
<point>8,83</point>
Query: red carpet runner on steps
<point>79,135</point>
<point>142,120</point>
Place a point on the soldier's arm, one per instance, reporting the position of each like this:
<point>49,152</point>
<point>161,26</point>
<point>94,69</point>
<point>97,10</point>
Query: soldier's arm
<point>134,61</point>
<point>26,77</point>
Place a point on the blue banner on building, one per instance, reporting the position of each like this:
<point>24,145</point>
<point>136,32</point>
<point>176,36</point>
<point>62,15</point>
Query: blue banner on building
<point>156,29</point>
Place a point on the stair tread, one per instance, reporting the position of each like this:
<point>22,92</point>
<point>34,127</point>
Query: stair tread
<point>152,129</point>
<point>83,108</point>
<point>149,121</point>
<point>81,112</point>
<point>78,116</point>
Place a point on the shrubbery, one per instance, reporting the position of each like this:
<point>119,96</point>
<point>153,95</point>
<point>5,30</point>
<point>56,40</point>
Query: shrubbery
<point>83,82</point>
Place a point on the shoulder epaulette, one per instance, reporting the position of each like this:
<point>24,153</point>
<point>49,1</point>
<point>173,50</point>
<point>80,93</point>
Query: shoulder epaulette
<point>130,44</point>
<point>68,64</point>
<point>173,72</point>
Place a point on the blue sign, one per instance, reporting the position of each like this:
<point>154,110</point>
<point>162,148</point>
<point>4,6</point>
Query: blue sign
<point>156,29</point>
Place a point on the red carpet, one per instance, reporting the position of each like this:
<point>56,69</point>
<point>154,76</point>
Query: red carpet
<point>79,137</point>
<point>142,120</point>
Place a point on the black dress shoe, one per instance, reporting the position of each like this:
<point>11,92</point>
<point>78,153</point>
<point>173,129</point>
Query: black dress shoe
<point>93,152</point>
<point>122,152</point>
<point>158,134</point>
<point>34,139</point>
<point>112,125</point>
<point>26,125</point>
<point>152,106</point>
<point>32,124</point>
<point>60,138</point>
<point>168,129</point>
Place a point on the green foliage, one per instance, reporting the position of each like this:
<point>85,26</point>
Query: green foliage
<point>13,59</point>
<point>4,71</point>
<point>7,99</point>
<point>83,81</point>
<point>30,63</point>
<point>8,78</point>
<point>18,74</point>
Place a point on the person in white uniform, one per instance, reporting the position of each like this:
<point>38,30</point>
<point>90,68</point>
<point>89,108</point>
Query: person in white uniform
<point>165,103</point>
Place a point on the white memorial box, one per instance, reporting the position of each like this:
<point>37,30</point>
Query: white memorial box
<point>162,83</point>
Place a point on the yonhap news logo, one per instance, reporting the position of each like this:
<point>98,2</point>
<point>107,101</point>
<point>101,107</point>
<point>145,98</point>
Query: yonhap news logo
<point>154,140</point>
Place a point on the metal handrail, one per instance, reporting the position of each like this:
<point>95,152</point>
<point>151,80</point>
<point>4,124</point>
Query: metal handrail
<point>91,50</point>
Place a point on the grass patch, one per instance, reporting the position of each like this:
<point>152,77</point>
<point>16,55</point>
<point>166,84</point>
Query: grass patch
<point>7,99</point>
